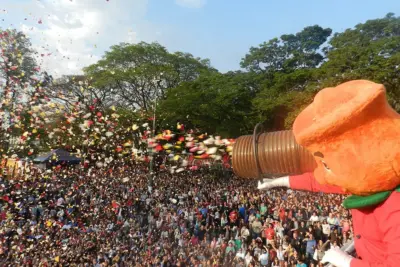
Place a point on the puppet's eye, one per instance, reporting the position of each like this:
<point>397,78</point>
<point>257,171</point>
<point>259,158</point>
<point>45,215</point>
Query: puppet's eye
<point>325,165</point>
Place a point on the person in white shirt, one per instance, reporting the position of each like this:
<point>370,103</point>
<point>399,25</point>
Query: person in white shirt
<point>248,258</point>
<point>280,253</point>
<point>191,216</point>
<point>244,232</point>
<point>337,220</point>
<point>279,230</point>
<point>251,218</point>
<point>335,245</point>
<point>216,214</point>
<point>240,254</point>
<point>326,230</point>
<point>177,234</point>
<point>60,201</point>
<point>159,223</point>
<point>224,220</point>
<point>276,263</point>
<point>181,242</point>
<point>331,220</point>
<point>314,218</point>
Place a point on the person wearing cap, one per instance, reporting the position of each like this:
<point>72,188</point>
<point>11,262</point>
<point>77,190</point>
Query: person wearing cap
<point>353,134</point>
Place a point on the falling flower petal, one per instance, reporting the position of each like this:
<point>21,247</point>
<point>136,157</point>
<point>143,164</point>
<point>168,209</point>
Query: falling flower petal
<point>212,150</point>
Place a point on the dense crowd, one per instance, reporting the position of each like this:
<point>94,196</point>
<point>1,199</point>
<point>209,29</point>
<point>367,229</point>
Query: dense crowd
<point>114,217</point>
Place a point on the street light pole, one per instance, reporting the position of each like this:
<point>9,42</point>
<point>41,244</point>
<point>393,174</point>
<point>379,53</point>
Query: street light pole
<point>153,134</point>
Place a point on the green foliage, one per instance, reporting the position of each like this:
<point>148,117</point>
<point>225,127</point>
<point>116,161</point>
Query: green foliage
<point>17,63</point>
<point>285,73</point>
<point>369,51</point>
<point>217,103</point>
<point>282,76</point>
<point>281,100</point>
<point>137,74</point>
<point>289,52</point>
<point>20,93</point>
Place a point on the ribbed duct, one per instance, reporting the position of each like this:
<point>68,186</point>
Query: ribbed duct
<point>275,154</point>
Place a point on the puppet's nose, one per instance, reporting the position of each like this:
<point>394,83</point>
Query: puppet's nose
<point>325,166</point>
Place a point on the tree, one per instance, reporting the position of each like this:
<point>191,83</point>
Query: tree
<point>279,101</point>
<point>370,50</point>
<point>289,52</point>
<point>71,89</point>
<point>140,73</point>
<point>216,103</point>
<point>17,63</point>
<point>21,93</point>
<point>288,66</point>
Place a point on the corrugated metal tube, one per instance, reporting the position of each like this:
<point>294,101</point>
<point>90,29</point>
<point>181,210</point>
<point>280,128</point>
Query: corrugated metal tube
<point>276,154</point>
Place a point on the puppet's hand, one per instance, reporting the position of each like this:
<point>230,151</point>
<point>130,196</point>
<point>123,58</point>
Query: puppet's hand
<point>272,183</point>
<point>337,257</point>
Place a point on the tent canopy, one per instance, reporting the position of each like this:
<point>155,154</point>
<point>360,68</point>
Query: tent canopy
<point>57,156</point>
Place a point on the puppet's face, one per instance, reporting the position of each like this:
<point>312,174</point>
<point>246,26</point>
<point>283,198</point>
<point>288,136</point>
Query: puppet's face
<point>353,134</point>
<point>360,162</point>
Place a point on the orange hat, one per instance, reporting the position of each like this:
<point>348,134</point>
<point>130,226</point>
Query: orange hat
<point>354,135</point>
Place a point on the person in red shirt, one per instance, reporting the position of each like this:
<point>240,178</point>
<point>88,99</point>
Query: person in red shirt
<point>282,214</point>
<point>270,235</point>
<point>233,216</point>
<point>272,253</point>
<point>194,241</point>
<point>290,214</point>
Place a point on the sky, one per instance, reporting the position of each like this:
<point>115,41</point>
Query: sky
<point>72,34</point>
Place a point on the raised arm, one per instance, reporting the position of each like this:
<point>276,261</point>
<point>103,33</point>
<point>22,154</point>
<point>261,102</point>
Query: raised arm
<point>323,248</point>
<point>304,182</point>
<point>307,182</point>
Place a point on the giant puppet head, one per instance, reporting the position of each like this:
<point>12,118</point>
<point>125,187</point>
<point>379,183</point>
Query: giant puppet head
<point>354,136</point>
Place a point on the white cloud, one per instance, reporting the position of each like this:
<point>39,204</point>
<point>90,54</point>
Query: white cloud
<point>191,3</point>
<point>72,34</point>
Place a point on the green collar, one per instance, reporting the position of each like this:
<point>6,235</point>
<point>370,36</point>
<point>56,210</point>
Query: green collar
<point>357,202</point>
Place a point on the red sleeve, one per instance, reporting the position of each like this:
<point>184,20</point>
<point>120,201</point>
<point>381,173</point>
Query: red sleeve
<point>307,182</point>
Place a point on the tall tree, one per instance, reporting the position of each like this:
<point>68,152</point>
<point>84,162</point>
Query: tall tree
<point>370,50</point>
<point>140,73</point>
<point>17,63</point>
<point>217,103</point>
<point>288,66</point>
<point>289,52</point>
<point>70,89</point>
<point>282,97</point>
<point>21,92</point>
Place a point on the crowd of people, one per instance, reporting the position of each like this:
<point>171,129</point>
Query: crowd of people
<point>119,217</point>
